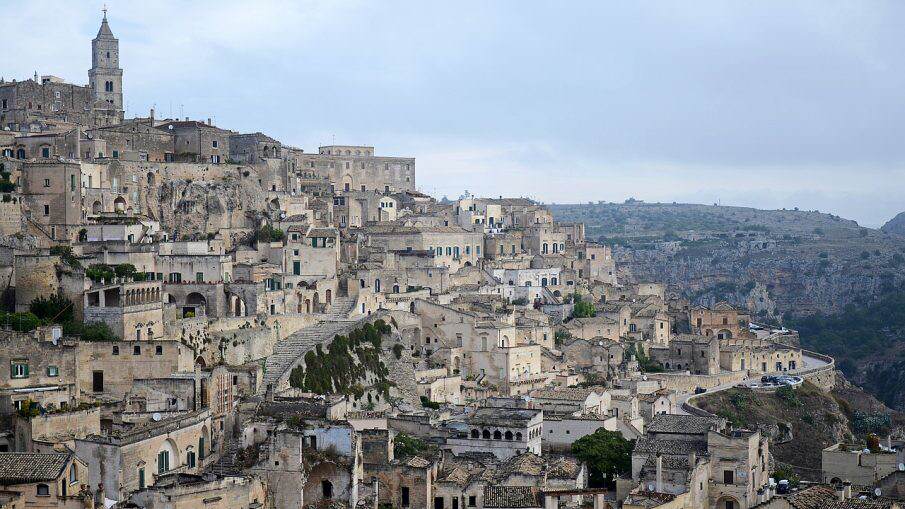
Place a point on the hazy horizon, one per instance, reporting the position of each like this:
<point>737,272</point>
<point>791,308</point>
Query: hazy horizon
<point>769,104</point>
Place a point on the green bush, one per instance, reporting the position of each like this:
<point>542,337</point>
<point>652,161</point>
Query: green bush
<point>20,322</point>
<point>607,455</point>
<point>99,271</point>
<point>426,403</point>
<point>268,233</point>
<point>406,446</point>
<point>584,309</point>
<point>124,270</point>
<point>55,309</point>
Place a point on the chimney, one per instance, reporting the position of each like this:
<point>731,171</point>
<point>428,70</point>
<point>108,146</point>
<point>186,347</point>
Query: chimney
<point>186,119</point>
<point>692,459</point>
<point>152,117</point>
<point>659,473</point>
<point>268,394</point>
<point>208,121</point>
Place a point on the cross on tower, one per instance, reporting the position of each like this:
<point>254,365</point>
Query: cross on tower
<point>105,11</point>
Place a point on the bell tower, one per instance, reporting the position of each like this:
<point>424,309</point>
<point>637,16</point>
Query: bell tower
<point>105,77</point>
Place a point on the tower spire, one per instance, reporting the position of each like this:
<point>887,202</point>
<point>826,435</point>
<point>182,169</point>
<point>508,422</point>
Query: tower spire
<point>105,12</point>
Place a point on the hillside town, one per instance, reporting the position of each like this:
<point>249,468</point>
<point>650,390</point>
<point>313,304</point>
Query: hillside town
<point>199,317</point>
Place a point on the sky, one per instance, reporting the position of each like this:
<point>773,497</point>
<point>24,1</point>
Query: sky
<point>770,104</point>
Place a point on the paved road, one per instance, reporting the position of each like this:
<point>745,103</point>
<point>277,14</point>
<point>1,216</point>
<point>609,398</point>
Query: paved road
<point>808,361</point>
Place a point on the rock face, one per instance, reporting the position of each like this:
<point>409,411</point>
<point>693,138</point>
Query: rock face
<point>895,225</point>
<point>771,262</point>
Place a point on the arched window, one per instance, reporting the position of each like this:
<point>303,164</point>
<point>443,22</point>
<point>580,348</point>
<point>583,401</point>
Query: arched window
<point>486,434</point>
<point>361,282</point>
<point>508,435</point>
<point>518,435</point>
<point>43,490</point>
<point>327,488</point>
<point>73,473</point>
<point>475,434</point>
<point>163,462</point>
<point>497,435</point>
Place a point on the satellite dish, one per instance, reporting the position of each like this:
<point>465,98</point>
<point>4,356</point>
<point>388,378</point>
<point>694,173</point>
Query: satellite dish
<point>902,467</point>
<point>155,416</point>
<point>877,492</point>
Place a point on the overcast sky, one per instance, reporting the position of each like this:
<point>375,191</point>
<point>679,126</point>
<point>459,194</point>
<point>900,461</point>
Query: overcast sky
<point>765,104</point>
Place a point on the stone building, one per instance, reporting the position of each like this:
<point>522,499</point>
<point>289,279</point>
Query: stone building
<point>132,310</point>
<point>42,368</point>
<point>134,458</point>
<point>24,103</point>
<point>696,456</point>
<point>504,432</point>
<point>52,480</point>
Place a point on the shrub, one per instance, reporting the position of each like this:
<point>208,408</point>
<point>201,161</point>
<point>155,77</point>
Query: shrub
<point>607,455</point>
<point>426,403</point>
<point>268,233</point>
<point>99,271</point>
<point>583,309</point>
<point>124,270</point>
<point>55,309</point>
<point>20,322</point>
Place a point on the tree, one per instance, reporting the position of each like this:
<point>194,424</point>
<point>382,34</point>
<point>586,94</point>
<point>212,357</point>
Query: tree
<point>584,309</point>
<point>54,309</point>
<point>607,455</point>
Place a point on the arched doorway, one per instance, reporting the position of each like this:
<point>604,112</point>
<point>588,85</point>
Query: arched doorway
<point>195,305</point>
<point>328,296</point>
<point>97,208</point>
<point>119,205</point>
<point>727,502</point>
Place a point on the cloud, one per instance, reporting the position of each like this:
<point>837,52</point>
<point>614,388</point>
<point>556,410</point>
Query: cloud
<point>772,102</point>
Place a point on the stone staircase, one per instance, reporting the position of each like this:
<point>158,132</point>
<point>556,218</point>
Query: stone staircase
<point>287,351</point>
<point>340,309</point>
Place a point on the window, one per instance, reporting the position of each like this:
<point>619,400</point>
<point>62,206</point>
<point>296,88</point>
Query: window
<point>46,210</point>
<point>53,371</point>
<point>116,154</point>
<point>199,277</point>
<point>472,501</point>
<point>163,462</point>
<point>19,369</point>
<point>43,490</point>
<point>141,478</point>
<point>214,143</point>
<point>45,152</point>
<point>46,182</point>
<point>190,459</point>
<point>136,350</point>
<point>97,381</point>
<point>73,474</point>
<point>158,350</point>
<point>728,476</point>
<point>201,448</point>
<point>115,350</point>
<point>4,104</point>
<point>405,497</point>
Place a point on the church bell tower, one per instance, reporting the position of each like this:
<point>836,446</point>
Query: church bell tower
<point>105,77</point>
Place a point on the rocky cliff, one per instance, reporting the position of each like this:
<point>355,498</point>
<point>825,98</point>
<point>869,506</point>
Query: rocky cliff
<point>895,225</point>
<point>772,262</point>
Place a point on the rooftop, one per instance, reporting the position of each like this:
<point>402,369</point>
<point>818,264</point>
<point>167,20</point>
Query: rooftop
<point>28,467</point>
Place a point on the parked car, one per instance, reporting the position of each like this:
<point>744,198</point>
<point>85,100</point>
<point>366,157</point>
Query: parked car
<point>699,390</point>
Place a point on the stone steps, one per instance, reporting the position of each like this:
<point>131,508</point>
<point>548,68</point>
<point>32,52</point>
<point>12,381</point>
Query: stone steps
<point>286,352</point>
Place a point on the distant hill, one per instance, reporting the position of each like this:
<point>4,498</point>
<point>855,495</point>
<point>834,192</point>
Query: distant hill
<point>772,262</point>
<point>895,225</point>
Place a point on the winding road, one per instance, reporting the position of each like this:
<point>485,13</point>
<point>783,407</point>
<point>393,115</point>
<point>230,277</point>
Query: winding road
<point>808,361</point>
